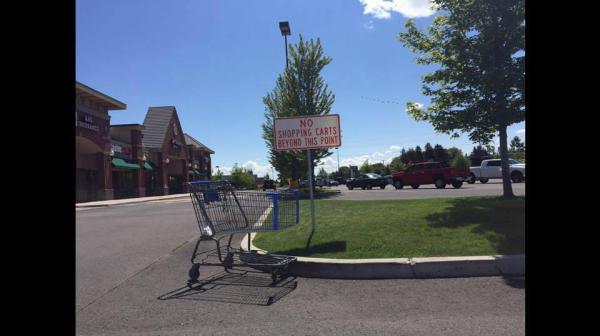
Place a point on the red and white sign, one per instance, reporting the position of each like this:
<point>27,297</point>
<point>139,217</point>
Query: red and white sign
<point>307,132</point>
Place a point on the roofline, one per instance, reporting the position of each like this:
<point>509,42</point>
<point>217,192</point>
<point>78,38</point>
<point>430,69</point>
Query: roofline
<point>113,103</point>
<point>128,125</point>
<point>206,147</point>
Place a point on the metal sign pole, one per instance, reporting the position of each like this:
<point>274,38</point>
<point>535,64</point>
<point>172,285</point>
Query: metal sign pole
<point>310,185</point>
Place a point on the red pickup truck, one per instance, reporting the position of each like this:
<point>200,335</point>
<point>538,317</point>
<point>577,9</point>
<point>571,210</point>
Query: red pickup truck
<point>436,173</point>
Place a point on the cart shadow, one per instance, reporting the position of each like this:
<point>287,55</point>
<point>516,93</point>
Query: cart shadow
<point>240,288</point>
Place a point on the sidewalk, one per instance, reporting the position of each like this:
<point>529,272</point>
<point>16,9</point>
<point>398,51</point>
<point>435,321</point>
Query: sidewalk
<point>130,200</point>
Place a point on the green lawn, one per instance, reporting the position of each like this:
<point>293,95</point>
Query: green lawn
<point>407,228</point>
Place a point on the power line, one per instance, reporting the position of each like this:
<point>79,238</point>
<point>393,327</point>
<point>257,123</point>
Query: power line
<point>383,101</point>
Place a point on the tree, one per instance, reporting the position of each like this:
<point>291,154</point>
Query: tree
<point>218,175</point>
<point>380,168</point>
<point>479,86</point>
<point>365,168</point>
<point>322,173</point>
<point>516,145</point>
<point>453,152</point>
<point>397,165</point>
<point>419,154</point>
<point>460,161</point>
<point>242,177</point>
<point>403,156</point>
<point>428,153</point>
<point>478,154</point>
<point>344,172</point>
<point>440,154</point>
<point>300,90</point>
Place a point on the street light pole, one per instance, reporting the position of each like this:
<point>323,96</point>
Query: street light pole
<point>284,26</point>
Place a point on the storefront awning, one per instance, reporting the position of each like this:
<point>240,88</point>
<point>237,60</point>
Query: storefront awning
<point>191,172</point>
<point>148,166</point>
<point>120,163</point>
<point>199,171</point>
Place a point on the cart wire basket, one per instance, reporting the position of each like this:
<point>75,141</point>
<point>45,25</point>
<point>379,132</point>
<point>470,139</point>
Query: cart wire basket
<point>222,212</point>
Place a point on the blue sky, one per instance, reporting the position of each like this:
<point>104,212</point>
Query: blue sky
<point>215,60</point>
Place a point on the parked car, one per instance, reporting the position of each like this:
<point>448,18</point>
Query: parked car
<point>367,181</point>
<point>332,183</point>
<point>340,180</point>
<point>269,184</point>
<point>492,169</point>
<point>437,173</point>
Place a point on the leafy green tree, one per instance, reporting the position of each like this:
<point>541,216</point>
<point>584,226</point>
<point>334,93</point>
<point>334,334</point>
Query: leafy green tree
<point>479,154</point>
<point>460,161</point>
<point>300,90</point>
<point>453,152</point>
<point>218,175</point>
<point>403,157</point>
<point>419,154</point>
<point>365,168</point>
<point>411,156</point>
<point>516,145</point>
<point>440,154</point>
<point>428,152</point>
<point>478,47</point>
<point>242,177</point>
<point>380,168</point>
<point>397,165</point>
<point>344,172</point>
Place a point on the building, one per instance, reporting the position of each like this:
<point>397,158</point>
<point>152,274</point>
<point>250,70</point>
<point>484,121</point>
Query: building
<point>129,166</point>
<point>165,147</point>
<point>93,143</point>
<point>132,160</point>
<point>199,162</point>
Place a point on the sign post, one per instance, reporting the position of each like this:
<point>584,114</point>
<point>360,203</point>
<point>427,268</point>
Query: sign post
<point>308,132</point>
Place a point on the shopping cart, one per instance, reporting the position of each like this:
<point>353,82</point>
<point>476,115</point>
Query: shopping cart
<point>223,211</point>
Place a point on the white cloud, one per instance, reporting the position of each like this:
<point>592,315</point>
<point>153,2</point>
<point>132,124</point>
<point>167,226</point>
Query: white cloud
<point>369,25</point>
<point>382,9</point>
<point>522,130</point>
<point>257,169</point>
<point>330,163</point>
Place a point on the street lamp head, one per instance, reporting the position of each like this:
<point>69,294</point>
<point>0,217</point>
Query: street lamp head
<point>284,26</point>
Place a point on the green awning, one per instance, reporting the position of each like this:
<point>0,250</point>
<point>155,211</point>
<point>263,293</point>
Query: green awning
<point>148,166</point>
<point>120,163</point>
<point>200,171</point>
<point>191,172</point>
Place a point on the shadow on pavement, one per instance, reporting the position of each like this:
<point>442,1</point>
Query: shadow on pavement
<point>501,222</point>
<point>241,288</point>
<point>515,281</point>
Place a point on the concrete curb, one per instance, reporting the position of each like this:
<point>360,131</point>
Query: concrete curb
<point>129,201</point>
<point>404,268</point>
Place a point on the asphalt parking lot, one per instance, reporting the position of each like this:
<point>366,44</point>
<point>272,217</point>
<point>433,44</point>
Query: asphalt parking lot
<point>132,264</point>
<point>492,188</point>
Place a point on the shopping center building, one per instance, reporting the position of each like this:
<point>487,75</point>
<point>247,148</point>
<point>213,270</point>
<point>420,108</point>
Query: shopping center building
<point>133,160</point>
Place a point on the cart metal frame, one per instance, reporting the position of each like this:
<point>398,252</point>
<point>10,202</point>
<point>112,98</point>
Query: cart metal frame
<point>222,212</point>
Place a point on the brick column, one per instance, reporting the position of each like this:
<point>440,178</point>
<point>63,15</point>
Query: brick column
<point>105,186</point>
<point>163,176</point>
<point>139,177</point>
<point>186,175</point>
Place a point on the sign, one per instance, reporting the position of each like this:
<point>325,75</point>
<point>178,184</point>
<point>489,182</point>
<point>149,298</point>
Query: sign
<point>307,132</point>
<point>86,121</point>
<point>121,149</point>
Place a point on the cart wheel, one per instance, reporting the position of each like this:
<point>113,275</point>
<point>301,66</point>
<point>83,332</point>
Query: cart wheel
<point>194,273</point>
